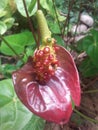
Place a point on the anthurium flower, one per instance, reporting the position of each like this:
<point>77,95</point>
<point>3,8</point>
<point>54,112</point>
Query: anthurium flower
<point>49,81</point>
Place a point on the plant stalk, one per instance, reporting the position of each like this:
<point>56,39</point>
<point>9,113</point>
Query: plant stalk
<point>9,46</point>
<point>30,24</point>
<point>86,117</point>
<point>91,91</point>
<point>57,16</point>
<point>38,4</point>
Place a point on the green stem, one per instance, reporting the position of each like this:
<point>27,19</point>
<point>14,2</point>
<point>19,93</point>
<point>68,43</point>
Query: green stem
<point>57,16</point>
<point>43,27</point>
<point>9,46</point>
<point>91,91</point>
<point>86,117</point>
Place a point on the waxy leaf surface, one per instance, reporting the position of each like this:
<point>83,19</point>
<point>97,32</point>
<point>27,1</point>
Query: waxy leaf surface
<point>13,114</point>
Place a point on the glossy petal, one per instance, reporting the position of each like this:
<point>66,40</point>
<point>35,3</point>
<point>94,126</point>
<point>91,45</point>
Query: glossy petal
<point>51,101</point>
<point>71,74</point>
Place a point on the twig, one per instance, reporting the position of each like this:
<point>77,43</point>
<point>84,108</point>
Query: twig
<point>78,20</point>
<point>68,15</point>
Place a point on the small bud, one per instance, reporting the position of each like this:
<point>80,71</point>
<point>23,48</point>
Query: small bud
<point>49,40</point>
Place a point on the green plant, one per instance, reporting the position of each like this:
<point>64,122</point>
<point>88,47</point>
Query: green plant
<point>6,18</point>
<point>21,46</point>
<point>89,44</point>
<point>13,114</point>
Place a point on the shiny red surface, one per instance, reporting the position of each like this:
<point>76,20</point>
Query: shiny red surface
<point>51,101</point>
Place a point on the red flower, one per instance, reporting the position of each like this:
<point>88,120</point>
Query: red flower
<point>48,92</point>
<point>49,81</point>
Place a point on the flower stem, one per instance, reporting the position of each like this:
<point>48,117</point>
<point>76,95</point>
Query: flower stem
<point>91,91</point>
<point>30,24</point>
<point>38,4</point>
<point>57,16</point>
<point>2,38</point>
<point>86,117</point>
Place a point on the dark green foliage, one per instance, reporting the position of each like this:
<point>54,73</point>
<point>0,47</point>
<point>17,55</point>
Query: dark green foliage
<point>89,44</point>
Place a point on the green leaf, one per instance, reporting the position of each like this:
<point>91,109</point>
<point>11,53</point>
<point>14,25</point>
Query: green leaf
<point>95,35</point>
<point>60,18</point>
<point>59,40</point>
<point>9,22</point>
<point>44,4</point>
<point>29,52</point>
<point>35,123</point>
<point>3,4</point>
<point>31,6</point>
<point>18,42</point>
<point>84,43</point>
<point>7,69</point>
<point>48,5</point>
<point>54,27</point>
<point>21,9</point>
<point>3,27</point>
<point>2,13</point>
<point>93,54</point>
<point>13,114</point>
<point>88,69</point>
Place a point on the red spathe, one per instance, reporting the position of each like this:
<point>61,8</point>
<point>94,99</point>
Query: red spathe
<point>51,101</point>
